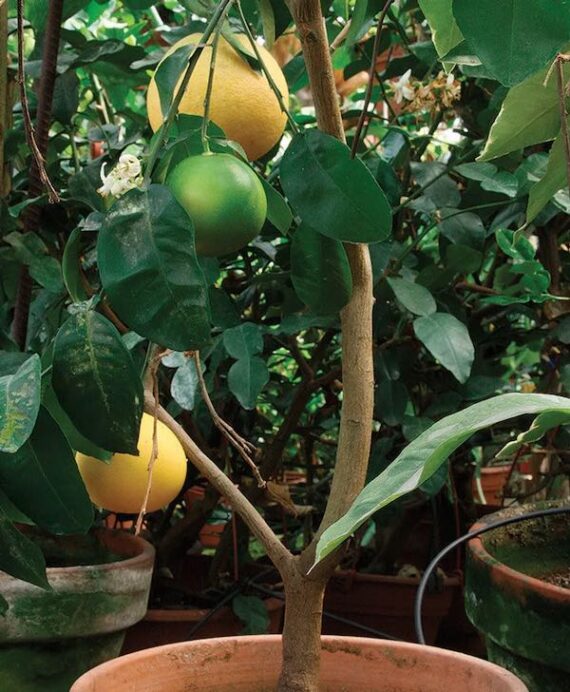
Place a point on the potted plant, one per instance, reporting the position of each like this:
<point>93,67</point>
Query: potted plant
<point>149,283</point>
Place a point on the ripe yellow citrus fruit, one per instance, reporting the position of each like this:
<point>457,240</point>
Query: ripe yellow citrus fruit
<point>242,102</point>
<point>224,198</point>
<point>120,485</point>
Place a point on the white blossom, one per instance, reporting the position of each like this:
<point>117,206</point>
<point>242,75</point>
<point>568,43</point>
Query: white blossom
<point>402,88</point>
<point>124,177</point>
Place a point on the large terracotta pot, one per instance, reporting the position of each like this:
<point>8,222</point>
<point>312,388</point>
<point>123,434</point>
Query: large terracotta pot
<point>49,638</point>
<point>170,626</point>
<point>252,664</point>
<point>384,603</point>
<point>509,597</point>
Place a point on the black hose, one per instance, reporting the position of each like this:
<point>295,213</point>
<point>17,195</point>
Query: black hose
<point>463,539</point>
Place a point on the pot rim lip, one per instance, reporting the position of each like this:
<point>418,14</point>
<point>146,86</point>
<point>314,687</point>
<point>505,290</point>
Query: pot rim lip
<point>366,642</point>
<point>482,555</point>
<point>143,560</point>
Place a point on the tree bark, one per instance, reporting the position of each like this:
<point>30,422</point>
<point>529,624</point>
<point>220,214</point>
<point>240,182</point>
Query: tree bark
<point>3,91</point>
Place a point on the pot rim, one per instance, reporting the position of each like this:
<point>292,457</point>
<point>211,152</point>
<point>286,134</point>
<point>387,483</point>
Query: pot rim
<point>482,555</point>
<point>329,642</point>
<point>143,558</point>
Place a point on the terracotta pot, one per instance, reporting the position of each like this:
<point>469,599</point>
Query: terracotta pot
<point>493,479</point>
<point>252,664</point>
<point>385,604</point>
<point>525,619</point>
<point>48,638</point>
<point>171,626</point>
<point>211,534</point>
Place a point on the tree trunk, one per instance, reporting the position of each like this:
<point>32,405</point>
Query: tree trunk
<point>302,632</point>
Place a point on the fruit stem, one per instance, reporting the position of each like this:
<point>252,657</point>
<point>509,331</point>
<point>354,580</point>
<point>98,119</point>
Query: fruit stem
<point>161,135</point>
<point>208,96</point>
<point>265,71</point>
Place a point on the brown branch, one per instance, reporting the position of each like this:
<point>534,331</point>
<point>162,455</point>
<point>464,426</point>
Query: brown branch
<point>37,154</point>
<point>244,448</point>
<point>154,451</point>
<point>3,90</point>
<point>475,288</point>
<point>277,553</point>
<point>560,60</point>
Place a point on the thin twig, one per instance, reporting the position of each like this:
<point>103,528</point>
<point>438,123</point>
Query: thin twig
<point>245,449</point>
<point>560,60</point>
<point>209,87</point>
<point>28,125</point>
<point>371,72</point>
<point>154,451</point>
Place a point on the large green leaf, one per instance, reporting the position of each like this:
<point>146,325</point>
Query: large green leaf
<point>514,38</point>
<point>530,114</point>
<point>320,271</point>
<point>43,481</point>
<point>71,267</point>
<point>553,180</point>
<point>448,340</point>
<point>243,341</point>
<point>150,272</point>
<point>97,383</point>
<point>445,32</point>
<point>334,194</point>
<point>19,556</point>
<point>246,378</point>
<point>19,404</point>
<point>423,457</point>
<point>414,297</point>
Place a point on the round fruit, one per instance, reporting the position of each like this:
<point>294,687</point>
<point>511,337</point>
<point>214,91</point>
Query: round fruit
<point>224,198</point>
<point>120,485</point>
<point>242,102</point>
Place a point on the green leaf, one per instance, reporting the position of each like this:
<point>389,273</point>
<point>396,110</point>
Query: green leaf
<point>320,271</point>
<point>252,612</point>
<point>43,481</point>
<point>70,266</point>
<point>529,115</point>
<point>150,272</point>
<point>19,556</point>
<point>423,457</point>
<point>364,11</point>
<point>278,212</point>
<point>243,341</point>
<point>334,194</point>
<point>554,179</point>
<point>413,297</point>
<point>391,401</point>
<point>169,72</point>
<point>97,383</point>
<point>445,32</point>
<point>30,249</point>
<point>185,385</point>
<point>267,21</point>
<point>514,38</point>
<point>19,404</point>
<point>246,378</point>
<point>448,340</point>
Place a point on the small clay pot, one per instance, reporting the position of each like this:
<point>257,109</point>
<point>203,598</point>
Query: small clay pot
<point>253,664</point>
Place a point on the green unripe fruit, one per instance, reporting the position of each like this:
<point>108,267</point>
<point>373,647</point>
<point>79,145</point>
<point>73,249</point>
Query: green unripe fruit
<point>224,198</point>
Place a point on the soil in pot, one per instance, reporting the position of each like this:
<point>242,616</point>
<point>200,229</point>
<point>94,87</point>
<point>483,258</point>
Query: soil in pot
<point>514,596</point>
<point>100,585</point>
<point>252,664</point>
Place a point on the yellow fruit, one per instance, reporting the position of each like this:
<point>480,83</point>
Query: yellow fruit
<point>120,485</point>
<point>242,103</point>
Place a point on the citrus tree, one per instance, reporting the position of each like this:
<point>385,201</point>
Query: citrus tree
<point>185,245</point>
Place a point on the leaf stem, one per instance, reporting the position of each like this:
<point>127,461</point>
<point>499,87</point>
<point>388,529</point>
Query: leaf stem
<point>266,72</point>
<point>161,135</point>
<point>208,96</point>
<point>560,60</point>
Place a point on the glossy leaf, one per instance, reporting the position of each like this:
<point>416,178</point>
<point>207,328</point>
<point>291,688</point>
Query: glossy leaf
<point>278,212</point>
<point>19,556</point>
<point>334,194</point>
<point>70,266</point>
<point>446,35</point>
<point>514,38</point>
<point>244,341</point>
<point>43,481</point>
<point>19,404</point>
<point>424,456</point>
<point>448,340</point>
<point>530,114</point>
<point>169,72</point>
<point>150,272</point>
<point>185,385</point>
<point>97,383</point>
<point>554,179</point>
<point>246,378</point>
<point>414,297</point>
<point>320,271</point>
